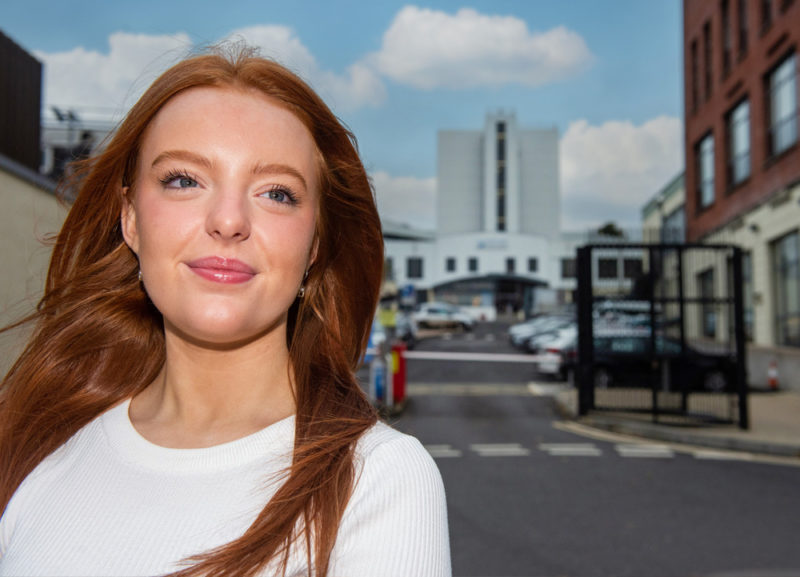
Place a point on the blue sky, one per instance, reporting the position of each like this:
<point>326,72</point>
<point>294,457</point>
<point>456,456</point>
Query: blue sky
<point>607,74</point>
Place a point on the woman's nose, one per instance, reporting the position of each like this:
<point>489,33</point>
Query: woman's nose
<point>228,216</point>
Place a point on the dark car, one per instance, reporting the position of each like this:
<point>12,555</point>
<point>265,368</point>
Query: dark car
<point>624,360</point>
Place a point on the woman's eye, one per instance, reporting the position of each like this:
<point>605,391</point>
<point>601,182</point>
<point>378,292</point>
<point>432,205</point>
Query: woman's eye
<point>180,181</point>
<point>281,195</point>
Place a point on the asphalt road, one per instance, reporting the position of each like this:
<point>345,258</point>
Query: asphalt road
<point>531,495</point>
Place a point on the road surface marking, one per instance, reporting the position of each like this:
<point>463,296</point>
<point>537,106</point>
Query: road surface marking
<point>500,450</point>
<point>483,357</point>
<point>571,449</point>
<point>546,389</point>
<point>645,450</point>
<point>599,434</point>
<point>442,451</point>
<point>711,455</point>
<point>467,390</point>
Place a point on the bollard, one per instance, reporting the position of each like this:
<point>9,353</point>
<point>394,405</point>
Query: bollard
<point>377,377</point>
<point>399,373</point>
<point>772,375</point>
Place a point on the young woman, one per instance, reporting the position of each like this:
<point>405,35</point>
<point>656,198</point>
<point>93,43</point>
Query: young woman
<point>186,403</point>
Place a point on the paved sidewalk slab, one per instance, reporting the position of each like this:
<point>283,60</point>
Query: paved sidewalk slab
<point>774,425</point>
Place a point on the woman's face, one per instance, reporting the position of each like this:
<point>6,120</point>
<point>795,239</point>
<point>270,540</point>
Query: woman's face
<point>223,213</point>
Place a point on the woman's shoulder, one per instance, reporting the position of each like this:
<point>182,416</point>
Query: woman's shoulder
<point>396,521</point>
<point>388,456</point>
<point>382,440</point>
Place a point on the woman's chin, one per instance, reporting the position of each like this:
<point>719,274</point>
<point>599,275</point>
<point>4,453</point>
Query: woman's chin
<point>225,335</point>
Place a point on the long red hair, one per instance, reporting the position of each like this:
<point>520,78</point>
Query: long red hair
<point>97,339</point>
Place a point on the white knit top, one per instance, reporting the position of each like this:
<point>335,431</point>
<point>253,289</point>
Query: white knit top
<point>110,503</point>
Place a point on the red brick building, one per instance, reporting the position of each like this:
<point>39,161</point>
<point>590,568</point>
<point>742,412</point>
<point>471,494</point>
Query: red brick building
<point>742,139</point>
<point>741,107</point>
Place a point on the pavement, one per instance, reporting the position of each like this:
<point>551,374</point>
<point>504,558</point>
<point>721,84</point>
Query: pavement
<point>774,425</point>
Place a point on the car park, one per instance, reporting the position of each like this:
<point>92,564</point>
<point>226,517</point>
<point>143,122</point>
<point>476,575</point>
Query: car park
<point>438,315</point>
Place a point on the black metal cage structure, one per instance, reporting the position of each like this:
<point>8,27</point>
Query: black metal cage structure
<point>661,332</point>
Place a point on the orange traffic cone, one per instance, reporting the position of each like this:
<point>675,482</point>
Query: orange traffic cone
<point>772,375</point>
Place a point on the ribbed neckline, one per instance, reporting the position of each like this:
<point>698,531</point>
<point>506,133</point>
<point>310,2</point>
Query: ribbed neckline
<point>275,440</point>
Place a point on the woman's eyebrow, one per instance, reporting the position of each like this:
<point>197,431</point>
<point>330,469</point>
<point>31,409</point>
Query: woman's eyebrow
<point>185,155</point>
<point>259,168</point>
<point>278,168</point>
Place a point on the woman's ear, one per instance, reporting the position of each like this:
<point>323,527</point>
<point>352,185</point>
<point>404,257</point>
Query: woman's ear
<point>127,221</point>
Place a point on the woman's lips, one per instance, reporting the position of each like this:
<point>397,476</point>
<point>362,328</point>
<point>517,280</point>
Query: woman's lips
<point>222,270</point>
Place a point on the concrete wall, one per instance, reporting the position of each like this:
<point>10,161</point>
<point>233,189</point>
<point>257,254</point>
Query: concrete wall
<point>540,196</point>
<point>29,213</point>
<point>459,181</point>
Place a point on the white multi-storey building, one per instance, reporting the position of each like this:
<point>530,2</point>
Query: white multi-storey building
<point>497,244</point>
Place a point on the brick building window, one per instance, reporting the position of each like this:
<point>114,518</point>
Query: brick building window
<point>708,312</point>
<point>414,267</point>
<point>704,164</point>
<point>766,15</point>
<point>786,263</point>
<point>738,122</point>
<point>782,103</point>
<point>742,10</point>
<point>727,41</point>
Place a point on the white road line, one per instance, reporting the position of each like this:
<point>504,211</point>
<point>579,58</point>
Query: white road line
<point>467,389</point>
<point>571,449</point>
<point>711,455</point>
<point>601,435</point>
<point>546,389</point>
<point>484,357</point>
<point>442,451</point>
<point>647,451</point>
<point>500,450</point>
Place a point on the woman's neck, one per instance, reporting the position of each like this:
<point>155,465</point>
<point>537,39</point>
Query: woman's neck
<point>205,396</point>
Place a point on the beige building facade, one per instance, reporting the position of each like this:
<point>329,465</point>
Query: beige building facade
<point>30,213</point>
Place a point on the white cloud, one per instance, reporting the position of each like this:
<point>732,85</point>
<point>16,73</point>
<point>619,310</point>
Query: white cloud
<point>609,172</point>
<point>359,86</point>
<point>406,199</point>
<point>428,49</point>
<point>104,84</point>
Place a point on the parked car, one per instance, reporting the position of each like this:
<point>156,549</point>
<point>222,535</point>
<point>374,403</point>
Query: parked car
<point>623,360</point>
<point>546,331</point>
<point>438,315</point>
<point>558,353</point>
<point>521,333</point>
